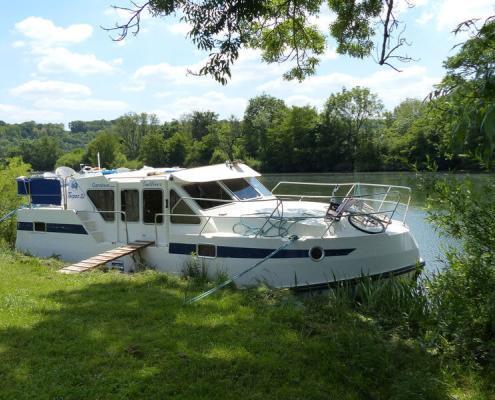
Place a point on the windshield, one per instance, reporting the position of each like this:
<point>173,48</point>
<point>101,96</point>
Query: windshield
<point>241,188</point>
<point>209,191</point>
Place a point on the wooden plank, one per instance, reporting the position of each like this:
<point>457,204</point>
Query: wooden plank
<point>105,257</point>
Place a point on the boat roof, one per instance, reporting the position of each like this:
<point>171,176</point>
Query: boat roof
<point>217,172</point>
<point>209,173</point>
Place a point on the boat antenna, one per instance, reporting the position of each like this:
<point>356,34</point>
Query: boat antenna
<point>98,157</point>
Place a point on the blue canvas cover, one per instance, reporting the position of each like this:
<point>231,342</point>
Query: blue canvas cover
<point>42,190</point>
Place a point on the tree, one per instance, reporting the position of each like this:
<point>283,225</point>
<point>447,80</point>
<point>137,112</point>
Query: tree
<point>41,153</point>
<point>229,134</point>
<point>176,149</point>
<point>353,110</point>
<point>105,143</point>
<point>153,150</point>
<point>291,143</point>
<point>282,30</point>
<point>200,122</point>
<point>132,128</point>
<point>399,136</point>
<point>262,113</point>
<point>469,92</point>
<point>73,159</point>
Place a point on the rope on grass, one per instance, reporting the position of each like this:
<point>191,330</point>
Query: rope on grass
<point>292,239</point>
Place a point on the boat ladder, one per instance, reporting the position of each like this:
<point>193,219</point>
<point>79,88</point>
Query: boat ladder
<point>107,256</point>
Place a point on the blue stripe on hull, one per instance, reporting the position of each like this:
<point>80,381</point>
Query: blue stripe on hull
<point>249,252</point>
<point>54,228</point>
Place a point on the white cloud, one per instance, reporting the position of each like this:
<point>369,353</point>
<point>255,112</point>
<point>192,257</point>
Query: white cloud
<point>161,95</point>
<point>425,18</point>
<point>165,72</point>
<point>330,54</point>
<point>392,87</point>
<point>301,101</point>
<point>45,33</point>
<point>180,28</point>
<point>450,13</point>
<point>123,15</point>
<point>18,44</point>
<point>36,88</point>
<point>47,43</point>
<point>215,101</point>
<point>323,20</point>
<point>86,104</point>
<point>59,59</point>
<point>12,113</point>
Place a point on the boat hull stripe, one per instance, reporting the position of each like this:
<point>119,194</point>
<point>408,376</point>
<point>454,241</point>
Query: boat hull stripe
<point>416,268</point>
<point>54,228</point>
<point>249,252</point>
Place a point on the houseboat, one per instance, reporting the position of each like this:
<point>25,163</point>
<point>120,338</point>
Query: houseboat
<point>308,235</point>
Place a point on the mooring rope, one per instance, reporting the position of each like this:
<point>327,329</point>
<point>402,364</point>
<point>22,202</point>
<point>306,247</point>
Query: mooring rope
<point>292,239</point>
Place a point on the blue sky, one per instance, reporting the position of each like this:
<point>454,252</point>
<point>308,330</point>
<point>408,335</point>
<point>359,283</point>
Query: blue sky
<point>58,65</point>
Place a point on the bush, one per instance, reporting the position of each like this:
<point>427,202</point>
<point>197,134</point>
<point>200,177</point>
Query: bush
<point>9,200</point>
<point>464,293</point>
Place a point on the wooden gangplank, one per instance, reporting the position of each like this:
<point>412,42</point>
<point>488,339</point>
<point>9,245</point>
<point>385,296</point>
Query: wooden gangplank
<point>103,258</point>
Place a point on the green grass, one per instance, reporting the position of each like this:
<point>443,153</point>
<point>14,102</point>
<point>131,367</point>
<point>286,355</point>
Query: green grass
<point>113,336</point>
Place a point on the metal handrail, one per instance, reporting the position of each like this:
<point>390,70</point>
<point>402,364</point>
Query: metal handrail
<point>352,188</point>
<point>279,203</point>
<point>116,220</point>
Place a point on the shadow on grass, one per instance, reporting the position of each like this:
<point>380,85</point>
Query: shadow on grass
<point>127,339</point>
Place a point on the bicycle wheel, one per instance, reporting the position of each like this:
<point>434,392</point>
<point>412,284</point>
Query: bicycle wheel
<point>366,223</point>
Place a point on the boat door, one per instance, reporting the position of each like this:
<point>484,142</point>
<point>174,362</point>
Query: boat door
<point>154,203</point>
<point>128,199</point>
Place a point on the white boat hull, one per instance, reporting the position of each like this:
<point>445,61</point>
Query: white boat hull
<point>346,258</point>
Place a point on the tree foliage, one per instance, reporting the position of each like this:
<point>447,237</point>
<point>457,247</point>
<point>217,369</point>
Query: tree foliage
<point>468,92</point>
<point>284,31</point>
<point>9,171</point>
<point>352,110</point>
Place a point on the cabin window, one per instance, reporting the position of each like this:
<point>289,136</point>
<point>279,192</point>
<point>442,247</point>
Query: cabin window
<point>210,191</point>
<point>40,226</point>
<point>179,206</point>
<point>207,250</point>
<point>152,205</point>
<point>104,202</point>
<point>241,188</point>
<point>129,203</point>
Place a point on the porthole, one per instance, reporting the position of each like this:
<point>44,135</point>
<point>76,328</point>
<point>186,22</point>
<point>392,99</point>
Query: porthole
<point>316,253</point>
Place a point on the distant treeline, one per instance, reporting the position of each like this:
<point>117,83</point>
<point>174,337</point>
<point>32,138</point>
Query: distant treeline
<point>453,129</point>
<point>351,133</point>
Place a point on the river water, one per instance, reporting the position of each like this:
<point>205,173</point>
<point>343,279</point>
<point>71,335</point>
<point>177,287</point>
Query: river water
<point>431,243</point>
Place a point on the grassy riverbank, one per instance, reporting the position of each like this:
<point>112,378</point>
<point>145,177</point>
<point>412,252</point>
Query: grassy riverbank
<point>109,335</point>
